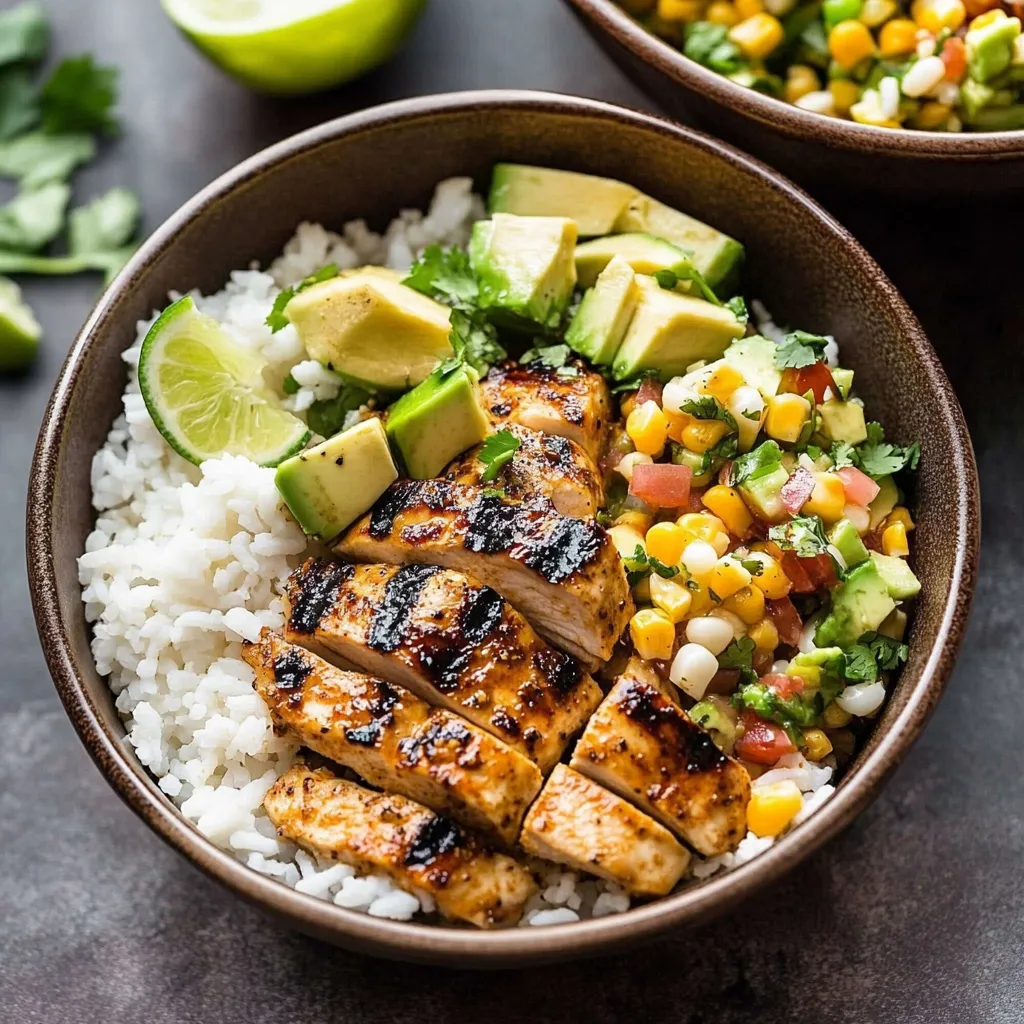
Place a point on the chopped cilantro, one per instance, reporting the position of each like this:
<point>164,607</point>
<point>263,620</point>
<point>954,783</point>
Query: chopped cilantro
<point>753,566</point>
<point>24,34</point>
<point>756,463</point>
<point>553,357</point>
<point>327,415</point>
<point>803,534</point>
<point>740,654</point>
<point>707,408</point>
<point>290,385</point>
<point>878,458</point>
<point>475,341</point>
<point>738,306</point>
<point>633,384</point>
<point>276,320</point>
<point>708,43</point>
<point>496,451</point>
<point>799,349</point>
<point>889,653</point>
<point>637,566</point>
<point>493,492</point>
<point>80,97</point>
<point>859,665</point>
<point>668,279</point>
<point>714,597</point>
<point>666,572</point>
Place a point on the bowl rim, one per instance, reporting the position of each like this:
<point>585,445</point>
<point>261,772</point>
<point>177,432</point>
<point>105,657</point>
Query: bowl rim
<point>789,120</point>
<point>443,944</point>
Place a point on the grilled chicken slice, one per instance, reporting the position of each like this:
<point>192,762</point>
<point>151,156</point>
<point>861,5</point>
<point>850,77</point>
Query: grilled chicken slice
<point>578,407</point>
<point>645,748</point>
<point>394,740</point>
<point>563,574</point>
<point>416,848</point>
<point>576,822</point>
<point>543,464</point>
<point>449,640</point>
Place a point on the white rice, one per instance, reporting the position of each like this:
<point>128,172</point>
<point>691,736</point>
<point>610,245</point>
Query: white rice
<point>184,563</point>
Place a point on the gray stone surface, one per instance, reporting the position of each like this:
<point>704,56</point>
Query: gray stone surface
<point>913,915</point>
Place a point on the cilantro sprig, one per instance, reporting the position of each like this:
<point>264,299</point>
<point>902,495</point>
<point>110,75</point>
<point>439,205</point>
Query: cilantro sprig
<point>756,463</point>
<point>872,654</point>
<point>496,452</point>
<point>669,278</point>
<point>640,565</point>
<point>799,349</point>
<point>804,535</point>
<point>878,458</point>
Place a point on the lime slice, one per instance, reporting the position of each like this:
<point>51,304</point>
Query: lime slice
<point>19,330</point>
<point>288,47</point>
<point>206,393</point>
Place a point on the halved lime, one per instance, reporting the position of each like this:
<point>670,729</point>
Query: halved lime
<point>19,330</point>
<point>207,395</point>
<point>289,47</point>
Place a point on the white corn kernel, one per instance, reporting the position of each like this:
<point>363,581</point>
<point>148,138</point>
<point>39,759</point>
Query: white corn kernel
<point>676,393</point>
<point>889,97</point>
<point>925,45</point>
<point>734,622</point>
<point>720,542</point>
<point>923,76</point>
<point>692,669</point>
<point>862,698</point>
<point>627,463</point>
<point>713,634</point>
<point>747,407</point>
<point>948,93</point>
<point>699,557</point>
<point>820,102</point>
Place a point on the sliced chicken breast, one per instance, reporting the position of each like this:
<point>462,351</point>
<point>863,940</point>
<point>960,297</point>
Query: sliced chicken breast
<point>543,464</point>
<point>394,740</point>
<point>563,574</point>
<point>451,641</point>
<point>418,849</point>
<point>573,405</point>
<point>576,822</point>
<point>645,748</point>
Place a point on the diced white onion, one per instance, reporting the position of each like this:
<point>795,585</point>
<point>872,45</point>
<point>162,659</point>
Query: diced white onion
<point>819,102</point>
<point>806,643</point>
<point>712,633</point>
<point>692,669</point>
<point>923,76</point>
<point>862,698</point>
<point>699,557</point>
<point>889,97</point>
<point>676,393</point>
<point>859,516</point>
<point>747,407</point>
<point>633,459</point>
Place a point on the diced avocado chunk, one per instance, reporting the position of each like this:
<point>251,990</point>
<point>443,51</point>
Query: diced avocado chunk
<point>670,331</point>
<point>885,501</point>
<point>843,421</point>
<point>19,330</point>
<point>974,97</point>
<point>436,421</point>
<point>698,465</point>
<point>755,358</point>
<point>846,540</point>
<point>860,604</point>
<point>764,494</point>
<point>372,329</point>
<point>844,381</point>
<point>593,203</point>
<point>895,626</point>
<point>330,486</point>
<point>717,256</point>
<point>646,254</point>
<point>718,717</point>
<point>524,267</point>
<point>990,48</point>
<point>600,323</point>
<point>898,576</point>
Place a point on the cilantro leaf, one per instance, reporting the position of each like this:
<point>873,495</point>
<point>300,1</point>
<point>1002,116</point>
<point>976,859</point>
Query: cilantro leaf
<point>446,276</point>
<point>799,349</point>
<point>666,572</point>
<point>637,566</point>
<point>753,565</point>
<point>707,408</point>
<point>24,34</point>
<point>496,451</point>
<point>669,278</point>
<point>31,219</point>
<point>878,458</point>
<point>859,665</point>
<point>276,319</point>
<point>19,104</point>
<point>889,653</point>
<point>107,223</point>
<point>738,307</point>
<point>36,159</point>
<point>79,97</point>
<point>708,43</point>
<point>842,454</point>
<point>740,654</point>
<point>803,534</point>
<point>290,386</point>
<point>756,463</point>
<point>633,384</point>
<point>475,341</point>
<point>554,357</point>
<point>493,492</point>
<point>327,416</point>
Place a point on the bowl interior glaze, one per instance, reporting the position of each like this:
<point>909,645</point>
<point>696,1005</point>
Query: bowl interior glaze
<point>375,163</point>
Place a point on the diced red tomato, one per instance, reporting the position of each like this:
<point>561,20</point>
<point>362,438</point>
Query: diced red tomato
<point>796,490</point>
<point>724,681</point>
<point>661,484</point>
<point>762,742</point>
<point>782,685</point>
<point>859,488</point>
<point>650,391</point>
<point>954,56</point>
<point>821,570</point>
<point>787,620</point>
<point>817,378</point>
<point>794,568</point>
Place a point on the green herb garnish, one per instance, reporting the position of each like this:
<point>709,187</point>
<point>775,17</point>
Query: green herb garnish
<point>496,451</point>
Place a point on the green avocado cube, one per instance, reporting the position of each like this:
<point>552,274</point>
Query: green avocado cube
<point>646,254</point>
<point>764,494</point>
<point>846,540</point>
<point>754,357</point>
<point>885,501</point>
<point>525,268</point>
<point>330,486</point>
<point>436,421</point>
<point>844,381</point>
<point>843,421</point>
<point>860,604</point>
<point>990,49</point>
<point>597,329</point>
<point>898,576</point>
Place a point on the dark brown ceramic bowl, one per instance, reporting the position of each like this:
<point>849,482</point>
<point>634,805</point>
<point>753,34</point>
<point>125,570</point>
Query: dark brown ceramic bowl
<point>825,154</point>
<point>801,262</point>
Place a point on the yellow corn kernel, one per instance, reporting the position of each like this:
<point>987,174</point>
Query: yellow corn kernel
<point>932,115</point>
<point>988,18</point>
<point>680,10</point>
<point>850,42</point>
<point>786,417</point>
<point>772,807</point>
<point>835,717</point>
<point>647,428</point>
<point>900,515</point>
<point>936,15</point>
<point>828,499</point>
<point>727,577</point>
<point>700,601</point>
<point>677,423</point>
<point>894,541</point>
<point>747,603</point>
<point>800,80</point>
<point>869,111</point>
<point>625,539</point>
<point>897,37</point>
<point>818,744</point>
<point>701,526</point>
<point>654,634</point>
<point>765,635</point>
<point>844,94</point>
<point>700,435</point>
<point>748,8</point>
<point>721,12</point>
<point>727,504</point>
<point>722,382</point>
<point>757,36</point>
<point>876,12</point>
<point>772,581</point>
<point>671,597</point>
<point>638,520</point>
<point>665,542</point>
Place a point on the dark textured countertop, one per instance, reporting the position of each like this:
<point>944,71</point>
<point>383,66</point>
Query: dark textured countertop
<point>915,914</point>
